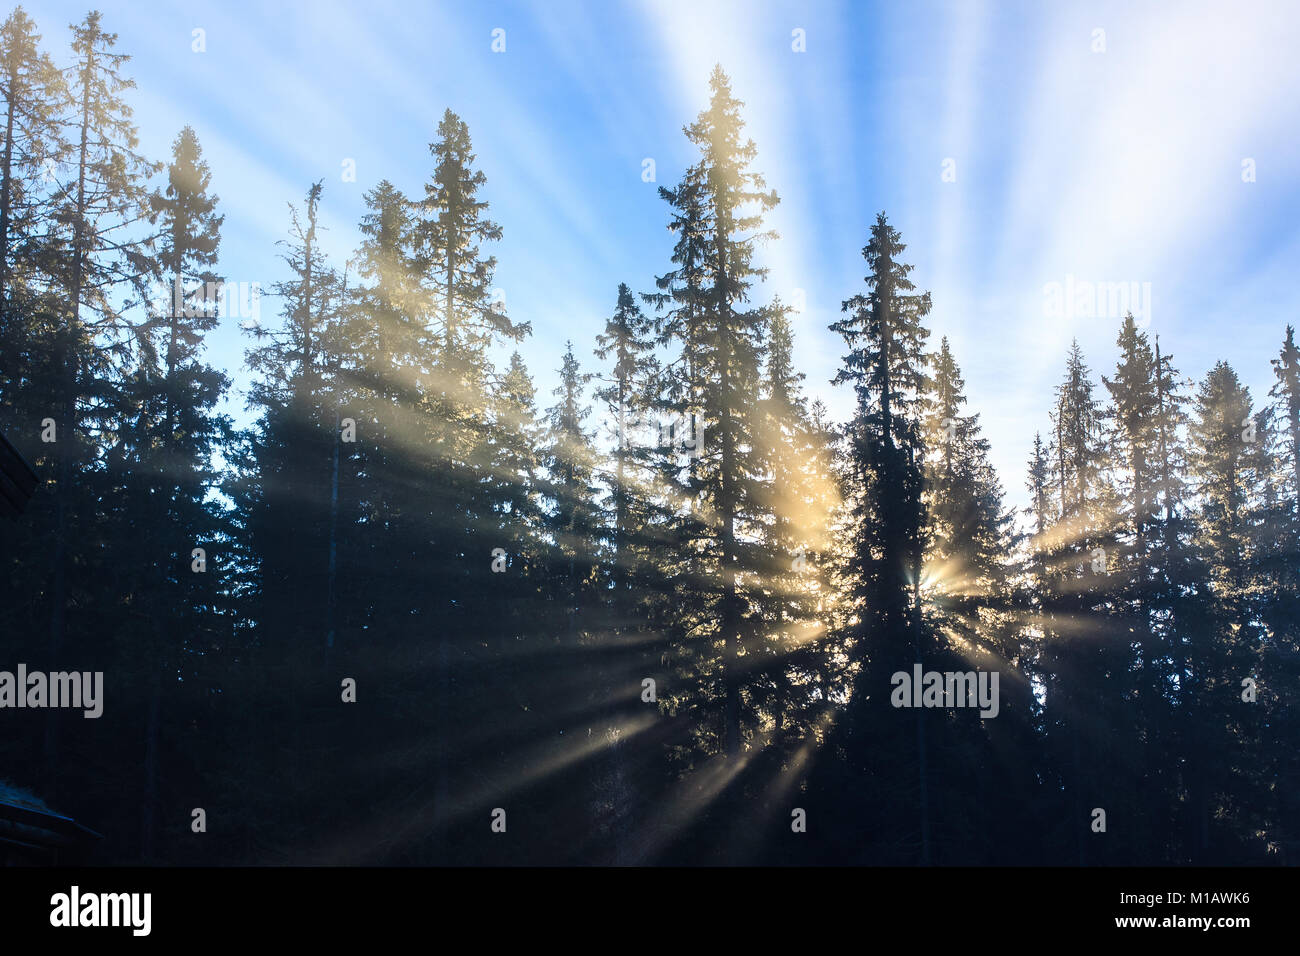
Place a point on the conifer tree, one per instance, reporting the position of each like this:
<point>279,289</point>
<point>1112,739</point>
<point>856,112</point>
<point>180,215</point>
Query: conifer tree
<point>625,341</point>
<point>800,498</point>
<point>888,369</point>
<point>1081,649</point>
<point>32,375</point>
<point>462,398</point>
<point>34,95</point>
<point>623,779</point>
<point>573,520</point>
<point>1224,435</point>
<point>1280,656</point>
<point>98,271</point>
<point>970,607</point>
<point>1286,391</point>
<point>385,329</point>
<point>1037,483</point>
<point>718,213</point>
<point>450,224</point>
<point>508,605</point>
<point>969,529</point>
<point>178,435</point>
<point>288,501</point>
<point>1227,448</point>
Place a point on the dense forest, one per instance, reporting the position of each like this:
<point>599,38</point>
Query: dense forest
<point>415,613</point>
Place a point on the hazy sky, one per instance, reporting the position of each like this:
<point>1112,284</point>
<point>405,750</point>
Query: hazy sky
<point>1014,145</point>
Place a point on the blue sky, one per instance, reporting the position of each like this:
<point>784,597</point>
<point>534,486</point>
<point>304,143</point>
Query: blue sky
<point>1112,157</point>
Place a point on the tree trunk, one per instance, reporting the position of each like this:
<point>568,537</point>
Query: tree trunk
<point>153,733</point>
<point>6,183</point>
<point>68,422</point>
<point>332,591</point>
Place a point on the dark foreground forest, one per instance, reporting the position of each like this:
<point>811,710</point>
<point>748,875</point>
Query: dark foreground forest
<point>416,613</point>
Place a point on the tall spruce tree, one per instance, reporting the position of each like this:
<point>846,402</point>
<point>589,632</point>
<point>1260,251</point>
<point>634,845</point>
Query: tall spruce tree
<point>1280,658</point>
<point>969,605</point>
<point>573,520</point>
<point>1081,650</point>
<point>32,377</point>
<point>467,498</point>
<point>887,367</point>
<point>99,270</point>
<point>1286,392</point>
<point>35,95</point>
<point>630,767</point>
<point>288,502</point>
<point>1133,435</point>
<point>718,212</point>
<point>626,343</point>
<point>801,498</point>
<point>177,437</point>
<point>1228,444</point>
